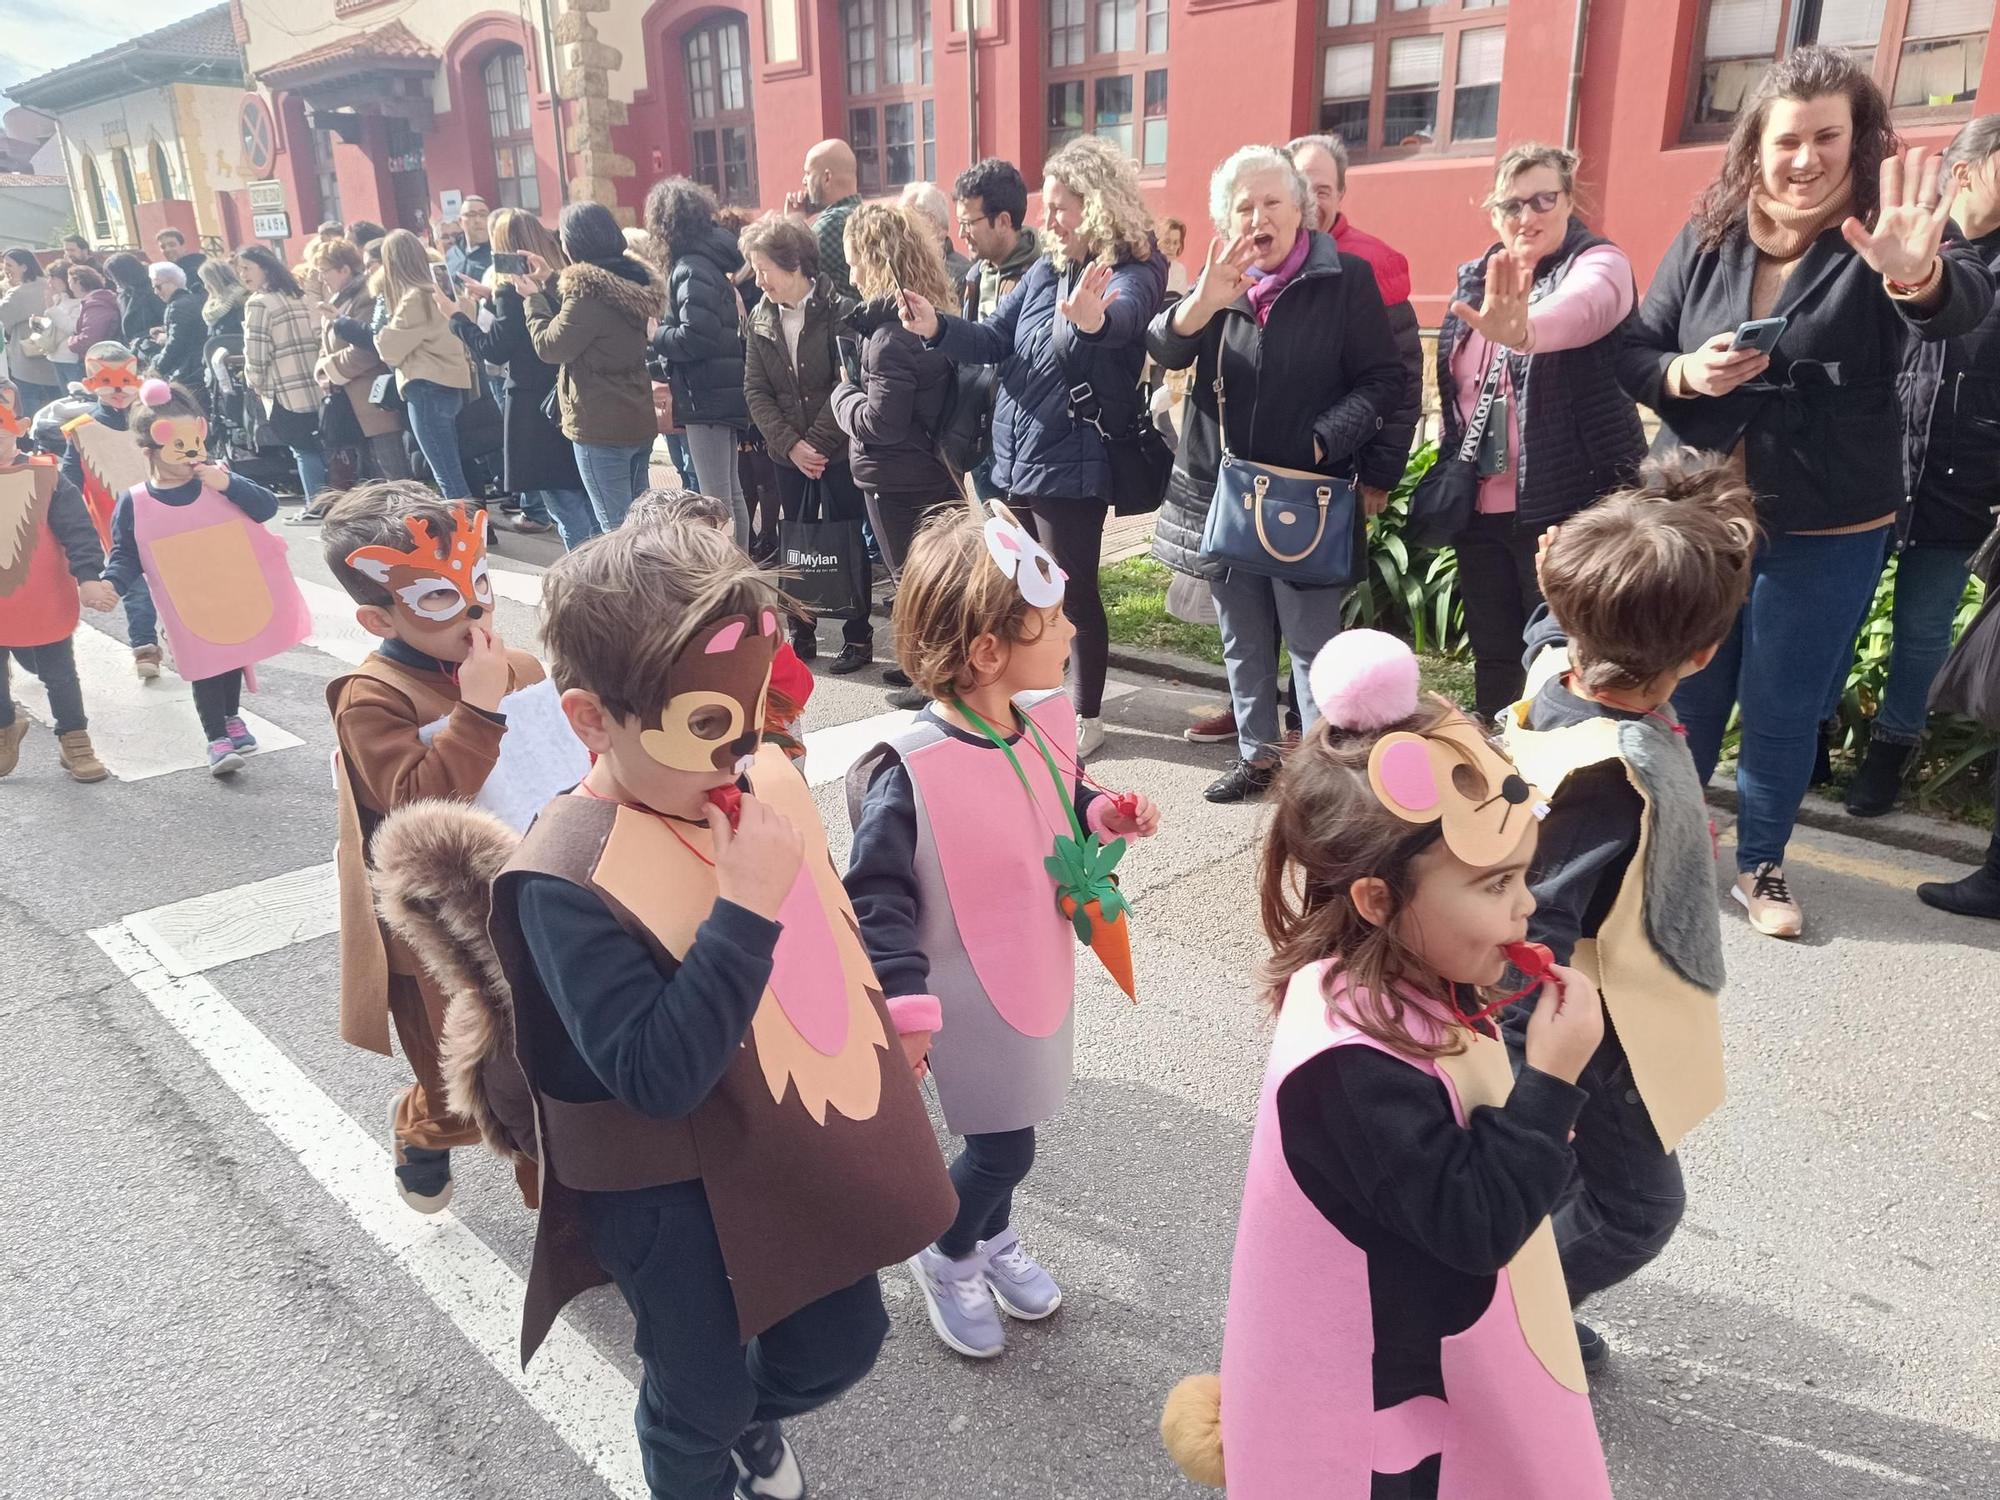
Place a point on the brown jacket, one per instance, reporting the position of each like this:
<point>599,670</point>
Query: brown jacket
<point>353,368</point>
<point>598,339</point>
<point>383,764</point>
<point>418,344</point>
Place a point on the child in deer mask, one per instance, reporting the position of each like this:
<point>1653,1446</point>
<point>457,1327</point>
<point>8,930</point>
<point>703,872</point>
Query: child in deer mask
<point>730,1128</point>
<point>444,708</point>
<point>49,562</point>
<point>194,533</point>
<point>102,462</point>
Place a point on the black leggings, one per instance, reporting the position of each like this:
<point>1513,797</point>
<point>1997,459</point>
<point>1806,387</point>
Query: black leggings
<point>986,1173</point>
<point>55,664</point>
<point>216,699</point>
<point>1073,531</point>
<point>1496,578</point>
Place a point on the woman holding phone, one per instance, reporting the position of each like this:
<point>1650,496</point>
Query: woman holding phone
<point>1815,218</point>
<point>433,370</point>
<point>280,348</point>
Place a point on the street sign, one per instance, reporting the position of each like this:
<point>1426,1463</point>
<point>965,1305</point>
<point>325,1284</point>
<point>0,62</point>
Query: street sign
<point>271,226</point>
<point>256,133</point>
<point>267,197</point>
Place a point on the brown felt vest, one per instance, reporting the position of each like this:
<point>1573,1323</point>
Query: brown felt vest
<point>818,1170</point>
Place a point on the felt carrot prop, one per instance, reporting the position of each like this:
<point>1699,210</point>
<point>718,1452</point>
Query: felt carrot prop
<point>1082,866</point>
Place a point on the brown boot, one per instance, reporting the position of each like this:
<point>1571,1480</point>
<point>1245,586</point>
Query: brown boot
<point>146,662</point>
<point>73,750</point>
<point>10,742</point>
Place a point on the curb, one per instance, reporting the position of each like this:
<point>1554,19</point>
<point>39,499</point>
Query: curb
<point>1915,833</point>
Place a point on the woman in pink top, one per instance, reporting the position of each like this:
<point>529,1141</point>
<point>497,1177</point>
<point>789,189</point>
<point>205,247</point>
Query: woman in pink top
<point>1548,303</point>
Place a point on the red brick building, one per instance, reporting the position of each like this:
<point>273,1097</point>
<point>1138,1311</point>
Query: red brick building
<point>378,116</point>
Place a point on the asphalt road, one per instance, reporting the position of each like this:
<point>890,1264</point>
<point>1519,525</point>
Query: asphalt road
<point>211,1292</point>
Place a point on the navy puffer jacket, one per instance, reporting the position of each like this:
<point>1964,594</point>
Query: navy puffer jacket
<point>1037,448</point>
<point>701,335</point>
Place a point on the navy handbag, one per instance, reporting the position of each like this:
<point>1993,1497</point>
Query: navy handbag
<point>1291,524</point>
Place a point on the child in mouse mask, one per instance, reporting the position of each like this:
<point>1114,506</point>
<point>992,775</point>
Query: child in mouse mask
<point>194,532</point>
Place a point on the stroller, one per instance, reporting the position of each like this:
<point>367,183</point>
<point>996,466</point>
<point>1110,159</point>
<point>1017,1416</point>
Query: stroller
<point>237,433</point>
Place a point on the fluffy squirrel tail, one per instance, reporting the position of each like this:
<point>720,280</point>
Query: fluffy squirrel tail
<point>1191,1428</point>
<point>434,865</point>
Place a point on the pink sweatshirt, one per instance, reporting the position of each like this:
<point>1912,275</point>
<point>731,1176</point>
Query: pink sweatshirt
<point>1593,299</point>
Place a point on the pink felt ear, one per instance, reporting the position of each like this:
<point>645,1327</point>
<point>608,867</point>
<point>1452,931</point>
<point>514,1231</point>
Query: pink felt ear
<point>725,639</point>
<point>769,621</point>
<point>1404,772</point>
<point>162,430</point>
<point>201,426</point>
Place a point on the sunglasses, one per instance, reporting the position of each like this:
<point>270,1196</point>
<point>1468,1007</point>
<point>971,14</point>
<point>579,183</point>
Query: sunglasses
<point>1541,203</point>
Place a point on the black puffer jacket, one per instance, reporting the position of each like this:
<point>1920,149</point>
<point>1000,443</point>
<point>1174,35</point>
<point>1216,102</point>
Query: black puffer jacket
<point>791,402</point>
<point>1951,405</point>
<point>701,336</point>
<point>538,456</point>
<point>891,418</point>
<point>180,356</point>
<point>1038,449</point>
<point>1580,433</point>
<point>1324,366</point>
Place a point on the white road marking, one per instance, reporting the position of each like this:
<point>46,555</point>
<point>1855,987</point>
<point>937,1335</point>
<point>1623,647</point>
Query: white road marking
<point>831,751</point>
<point>140,729</point>
<point>206,932</point>
<point>335,630</point>
<point>570,1385</point>
<point>522,588</point>
<point>1825,1455</point>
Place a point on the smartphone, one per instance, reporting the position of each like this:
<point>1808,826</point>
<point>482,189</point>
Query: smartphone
<point>446,282</point>
<point>509,263</point>
<point>850,358</point>
<point>1759,335</point>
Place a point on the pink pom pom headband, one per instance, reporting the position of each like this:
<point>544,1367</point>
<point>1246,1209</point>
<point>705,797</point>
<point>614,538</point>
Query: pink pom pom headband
<point>156,392</point>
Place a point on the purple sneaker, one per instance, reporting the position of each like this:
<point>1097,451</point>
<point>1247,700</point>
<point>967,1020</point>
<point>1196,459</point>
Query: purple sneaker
<point>241,740</point>
<point>1023,1288</point>
<point>223,759</point>
<point>961,1309</point>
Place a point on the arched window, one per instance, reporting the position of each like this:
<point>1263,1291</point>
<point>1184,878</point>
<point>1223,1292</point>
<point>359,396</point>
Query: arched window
<point>718,90</point>
<point>516,183</point>
<point>128,191</point>
<point>163,174</point>
<point>93,192</point>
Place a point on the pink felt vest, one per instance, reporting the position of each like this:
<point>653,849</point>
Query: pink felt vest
<point>991,844</point>
<point>224,589</point>
<point>1298,1412</point>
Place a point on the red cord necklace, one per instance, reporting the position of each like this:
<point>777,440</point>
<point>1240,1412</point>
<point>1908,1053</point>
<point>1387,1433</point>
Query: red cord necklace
<point>665,818</point>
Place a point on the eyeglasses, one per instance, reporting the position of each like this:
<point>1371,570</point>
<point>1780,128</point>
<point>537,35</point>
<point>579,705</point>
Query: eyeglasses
<point>1541,203</point>
<point>965,225</point>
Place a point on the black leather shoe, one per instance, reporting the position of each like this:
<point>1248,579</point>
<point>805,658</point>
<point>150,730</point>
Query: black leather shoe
<point>1822,771</point>
<point>907,697</point>
<point>1241,782</point>
<point>1977,895</point>
<point>852,658</point>
<point>1873,790</point>
<point>895,677</point>
<point>805,645</point>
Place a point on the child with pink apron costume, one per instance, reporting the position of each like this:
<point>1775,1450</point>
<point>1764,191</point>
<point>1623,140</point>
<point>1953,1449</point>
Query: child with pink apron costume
<point>225,593</point>
<point>1398,1324</point>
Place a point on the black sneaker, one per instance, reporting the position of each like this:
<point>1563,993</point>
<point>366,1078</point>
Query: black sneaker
<point>1822,771</point>
<point>852,658</point>
<point>1241,782</point>
<point>1590,1343</point>
<point>1875,786</point>
<point>805,646</point>
<point>907,697</point>
<point>765,1466</point>
<point>1977,895</point>
<point>895,677</point>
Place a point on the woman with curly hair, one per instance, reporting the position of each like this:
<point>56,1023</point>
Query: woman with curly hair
<point>701,335</point>
<point>1077,317</point>
<point>1818,219</point>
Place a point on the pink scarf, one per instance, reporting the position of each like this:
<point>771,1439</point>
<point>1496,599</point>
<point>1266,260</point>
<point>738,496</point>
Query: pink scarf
<point>1265,285</point>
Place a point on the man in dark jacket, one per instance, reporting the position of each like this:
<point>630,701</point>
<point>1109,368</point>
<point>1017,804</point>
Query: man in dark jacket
<point>180,356</point>
<point>173,246</point>
<point>992,200</point>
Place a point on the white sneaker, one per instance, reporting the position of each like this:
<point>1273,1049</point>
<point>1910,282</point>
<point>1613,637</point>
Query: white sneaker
<point>1089,737</point>
<point>1765,896</point>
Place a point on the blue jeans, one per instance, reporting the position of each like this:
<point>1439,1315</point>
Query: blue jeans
<point>1254,612</point>
<point>1776,663</point>
<point>677,450</point>
<point>433,416</point>
<point>576,522</point>
<point>614,475</point>
<point>1930,582</point>
<point>142,617</point>
<point>312,471</point>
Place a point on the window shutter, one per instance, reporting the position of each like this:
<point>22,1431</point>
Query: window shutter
<point>1350,71</point>
<point>1948,18</point>
<point>1479,56</point>
<point>1742,28</point>
<point>1416,61</point>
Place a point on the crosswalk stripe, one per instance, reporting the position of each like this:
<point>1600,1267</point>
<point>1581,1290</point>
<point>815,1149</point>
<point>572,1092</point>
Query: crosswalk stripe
<point>575,1389</point>
<point>205,932</point>
<point>335,630</point>
<point>140,729</point>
